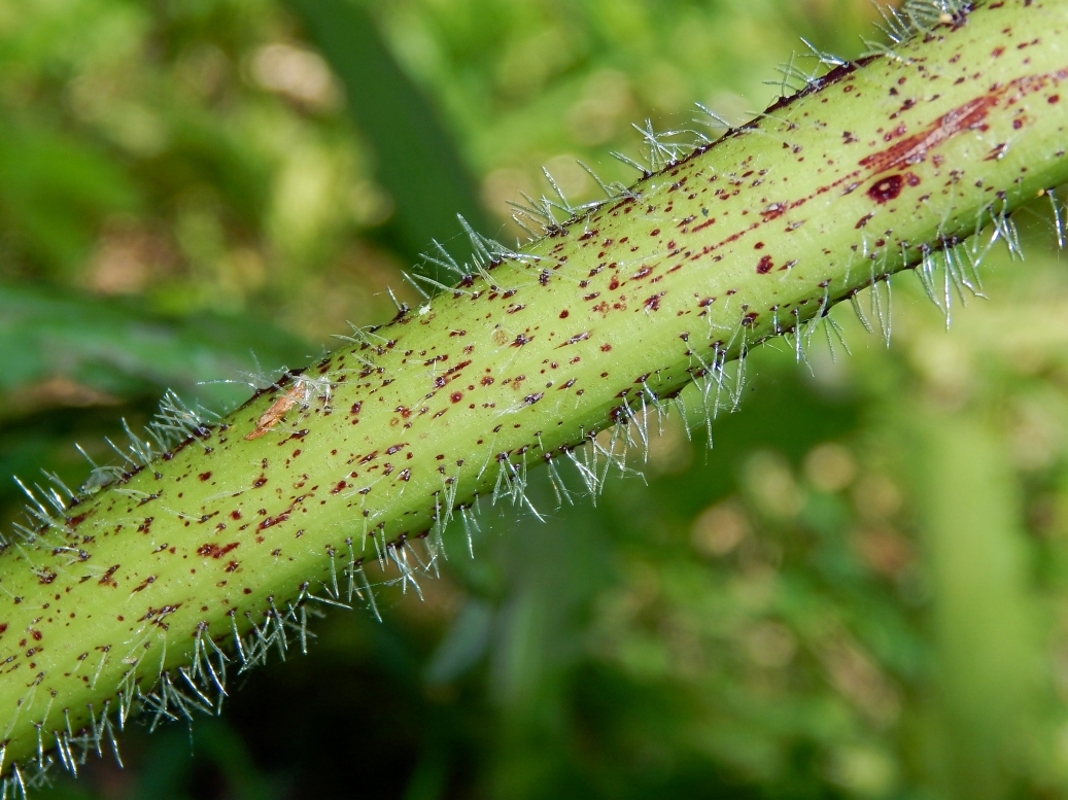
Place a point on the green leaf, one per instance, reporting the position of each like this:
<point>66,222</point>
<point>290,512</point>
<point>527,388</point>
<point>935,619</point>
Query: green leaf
<point>119,348</point>
<point>54,191</point>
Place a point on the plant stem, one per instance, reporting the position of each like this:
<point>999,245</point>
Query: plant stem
<point>220,543</point>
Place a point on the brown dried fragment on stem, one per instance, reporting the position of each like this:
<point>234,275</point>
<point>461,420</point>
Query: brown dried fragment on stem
<point>273,415</point>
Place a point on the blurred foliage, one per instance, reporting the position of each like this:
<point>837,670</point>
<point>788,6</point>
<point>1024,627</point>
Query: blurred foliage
<point>860,591</point>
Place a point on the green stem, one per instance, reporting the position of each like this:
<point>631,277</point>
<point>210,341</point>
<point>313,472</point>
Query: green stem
<point>219,544</point>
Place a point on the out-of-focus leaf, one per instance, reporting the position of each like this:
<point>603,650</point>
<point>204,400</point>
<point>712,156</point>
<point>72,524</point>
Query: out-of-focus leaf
<point>201,156</point>
<point>417,161</point>
<point>118,348</point>
<point>464,644</point>
<point>54,191</point>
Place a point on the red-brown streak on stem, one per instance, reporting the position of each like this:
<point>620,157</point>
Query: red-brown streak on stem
<point>965,117</point>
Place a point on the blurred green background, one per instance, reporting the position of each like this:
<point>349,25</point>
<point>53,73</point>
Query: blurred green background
<point>860,592</point>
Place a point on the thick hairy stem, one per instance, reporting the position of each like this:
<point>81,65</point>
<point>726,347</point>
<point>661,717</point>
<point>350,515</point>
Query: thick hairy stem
<point>200,557</point>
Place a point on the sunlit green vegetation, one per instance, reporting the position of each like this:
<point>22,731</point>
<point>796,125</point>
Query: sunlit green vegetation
<point>860,591</point>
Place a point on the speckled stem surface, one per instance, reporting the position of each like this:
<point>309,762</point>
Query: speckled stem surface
<point>869,170</point>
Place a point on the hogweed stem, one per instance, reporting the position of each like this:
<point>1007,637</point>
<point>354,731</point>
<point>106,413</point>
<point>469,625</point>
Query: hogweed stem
<point>200,557</point>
